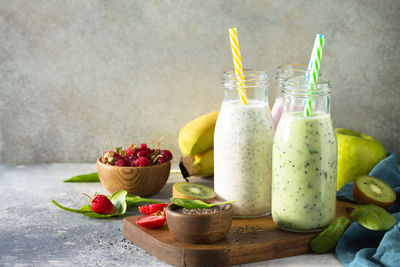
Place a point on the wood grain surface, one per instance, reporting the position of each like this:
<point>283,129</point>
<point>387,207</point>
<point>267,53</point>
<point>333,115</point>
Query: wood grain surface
<point>249,240</point>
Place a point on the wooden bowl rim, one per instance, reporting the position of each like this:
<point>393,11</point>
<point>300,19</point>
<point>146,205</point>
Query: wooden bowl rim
<point>129,167</point>
<point>225,211</point>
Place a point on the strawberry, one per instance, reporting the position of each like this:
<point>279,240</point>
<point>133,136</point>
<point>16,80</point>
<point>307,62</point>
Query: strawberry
<point>152,208</point>
<point>151,222</point>
<point>102,205</point>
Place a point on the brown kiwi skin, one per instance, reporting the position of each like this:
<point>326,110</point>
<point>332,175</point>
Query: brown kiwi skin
<point>177,194</point>
<point>362,199</point>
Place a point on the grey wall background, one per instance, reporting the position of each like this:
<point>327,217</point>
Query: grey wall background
<point>71,71</point>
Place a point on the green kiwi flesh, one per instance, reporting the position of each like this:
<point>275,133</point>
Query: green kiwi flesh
<point>193,191</point>
<point>371,190</point>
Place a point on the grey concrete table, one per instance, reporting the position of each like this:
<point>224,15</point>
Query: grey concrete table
<point>34,232</point>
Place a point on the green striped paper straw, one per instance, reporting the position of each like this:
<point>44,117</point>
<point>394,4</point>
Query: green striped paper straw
<point>313,67</point>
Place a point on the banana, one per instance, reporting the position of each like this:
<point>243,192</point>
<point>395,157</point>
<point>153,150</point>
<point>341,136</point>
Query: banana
<point>201,165</point>
<point>198,135</point>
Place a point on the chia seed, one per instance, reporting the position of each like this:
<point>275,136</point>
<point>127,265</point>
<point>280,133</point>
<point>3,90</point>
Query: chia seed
<point>199,211</point>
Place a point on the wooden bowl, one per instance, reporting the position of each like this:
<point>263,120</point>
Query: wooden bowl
<point>199,228</point>
<point>141,181</point>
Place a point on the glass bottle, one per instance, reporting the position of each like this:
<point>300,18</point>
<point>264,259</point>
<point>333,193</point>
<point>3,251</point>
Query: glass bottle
<point>243,145</point>
<point>284,72</point>
<point>304,161</point>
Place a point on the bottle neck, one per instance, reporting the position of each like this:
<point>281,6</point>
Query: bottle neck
<point>288,71</point>
<point>296,104</point>
<point>299,95</point>
<point>253,84</point>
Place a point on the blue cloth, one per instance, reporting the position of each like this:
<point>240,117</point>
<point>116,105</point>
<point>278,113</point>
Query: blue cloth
<point>362,247</point>
<point>386,170</point>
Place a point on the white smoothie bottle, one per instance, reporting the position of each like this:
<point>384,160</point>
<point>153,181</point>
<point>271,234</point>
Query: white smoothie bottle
<point>243,146</point>
<point>304,159</point>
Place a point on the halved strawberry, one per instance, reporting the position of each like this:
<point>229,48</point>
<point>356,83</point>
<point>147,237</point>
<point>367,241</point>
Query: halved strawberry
<point>151,222</point>
<point>152,208</point>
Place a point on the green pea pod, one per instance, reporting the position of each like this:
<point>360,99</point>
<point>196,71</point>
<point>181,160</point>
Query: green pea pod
<point>327,239</point>
<point>372,217</point>
<point>195,204</point>
<point>84,178</point>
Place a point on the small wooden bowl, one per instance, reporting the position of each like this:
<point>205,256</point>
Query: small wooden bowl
<point>199,228</point>
<point>141,181</point>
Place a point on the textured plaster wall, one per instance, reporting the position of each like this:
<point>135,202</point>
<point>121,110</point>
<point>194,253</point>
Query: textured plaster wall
<point>71,71</point>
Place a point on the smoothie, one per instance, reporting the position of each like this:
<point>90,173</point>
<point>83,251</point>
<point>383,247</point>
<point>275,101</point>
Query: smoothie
<point>243,156</point>
<point>304,172</point>
<point>276,111</point>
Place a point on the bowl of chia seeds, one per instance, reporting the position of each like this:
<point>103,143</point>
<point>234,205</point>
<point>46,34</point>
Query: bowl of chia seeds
<point>199,226</point>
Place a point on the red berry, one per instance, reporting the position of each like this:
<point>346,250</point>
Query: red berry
<point>102,205</point>
<point>132,149</point>
<point>121,162</point>
<point>151,222</point>
<point>131,157</point>
<point>129,151</point>
<point>142,147</point>
<point>152,208</point>
<point>111,157</point>
<point>144,153</point>
<point>142,162</point>
<point>161,160</point>
<point>167,155</point>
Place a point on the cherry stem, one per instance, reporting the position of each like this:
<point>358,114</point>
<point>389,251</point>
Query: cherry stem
<point>158,156</point>
<point>159,142</point>
<point>109,136</point>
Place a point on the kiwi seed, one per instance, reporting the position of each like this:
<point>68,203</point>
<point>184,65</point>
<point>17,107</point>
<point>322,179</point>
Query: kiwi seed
<point>192,191</point>
<point>371,190</point>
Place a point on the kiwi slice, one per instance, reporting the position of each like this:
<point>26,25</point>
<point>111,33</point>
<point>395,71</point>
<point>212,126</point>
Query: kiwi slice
<point>192,191</point>
<point>371,190</point>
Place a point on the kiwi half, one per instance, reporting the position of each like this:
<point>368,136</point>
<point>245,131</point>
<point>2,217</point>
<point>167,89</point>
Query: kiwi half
<point>192,191</point>
<point>371,190</point>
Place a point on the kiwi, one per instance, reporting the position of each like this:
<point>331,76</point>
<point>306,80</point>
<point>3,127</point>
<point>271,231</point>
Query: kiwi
<point>371,190</point>
<point>192,191</point>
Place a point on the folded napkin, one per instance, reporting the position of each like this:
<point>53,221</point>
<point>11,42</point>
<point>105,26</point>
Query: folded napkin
<point>362,247</point>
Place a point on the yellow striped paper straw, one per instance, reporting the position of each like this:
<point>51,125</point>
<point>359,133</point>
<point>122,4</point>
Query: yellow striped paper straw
<point>237,62</point>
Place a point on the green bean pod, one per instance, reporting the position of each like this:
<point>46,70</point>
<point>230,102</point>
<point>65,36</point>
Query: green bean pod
<point>84,178</point>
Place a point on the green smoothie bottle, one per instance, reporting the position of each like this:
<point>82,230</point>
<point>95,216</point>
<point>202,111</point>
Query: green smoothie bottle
<point>304,159</point>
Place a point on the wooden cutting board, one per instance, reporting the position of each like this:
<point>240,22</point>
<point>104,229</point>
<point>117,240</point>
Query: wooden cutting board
<point>249,240</point>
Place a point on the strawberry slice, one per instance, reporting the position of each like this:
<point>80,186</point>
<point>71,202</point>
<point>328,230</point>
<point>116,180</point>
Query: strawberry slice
<point>152,208</point>
<point>151,222</point>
